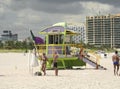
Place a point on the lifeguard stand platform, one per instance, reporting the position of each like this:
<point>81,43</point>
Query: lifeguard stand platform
<point>59,39</point>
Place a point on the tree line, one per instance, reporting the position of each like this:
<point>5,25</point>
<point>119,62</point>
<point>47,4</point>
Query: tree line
<point>28,44</point>
<point>16,45</point>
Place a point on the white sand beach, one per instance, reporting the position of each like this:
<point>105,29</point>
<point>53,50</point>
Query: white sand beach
<point>14,74</point>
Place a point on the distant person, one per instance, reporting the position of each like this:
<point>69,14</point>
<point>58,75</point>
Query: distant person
<point>115,59</point>
<point>44,62</point>
<point>81,54</point>
<point>55,59</point>
<point>25,51</point>
<point>105,55</point>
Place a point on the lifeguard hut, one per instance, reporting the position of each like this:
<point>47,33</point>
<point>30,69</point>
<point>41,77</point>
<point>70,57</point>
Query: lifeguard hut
<point>59,39</point>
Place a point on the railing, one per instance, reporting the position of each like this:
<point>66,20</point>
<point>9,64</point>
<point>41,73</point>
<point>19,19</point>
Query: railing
<point>51,48</point>
<point>94,57</point>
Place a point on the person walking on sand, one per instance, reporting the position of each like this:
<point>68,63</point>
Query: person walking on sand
<point>55,58</point>
<point>81,54</point>
<point>115,59</point>
<point>44,60</point>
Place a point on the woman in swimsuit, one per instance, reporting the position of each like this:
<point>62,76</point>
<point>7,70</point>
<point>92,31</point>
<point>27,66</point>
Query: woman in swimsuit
<point>44,62</point>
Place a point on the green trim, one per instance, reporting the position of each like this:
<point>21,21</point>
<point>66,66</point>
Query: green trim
<point>47,37</point>
<point>66,63</point>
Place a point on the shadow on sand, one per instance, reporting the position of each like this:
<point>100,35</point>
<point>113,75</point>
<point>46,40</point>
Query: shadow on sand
<point>2,75</point>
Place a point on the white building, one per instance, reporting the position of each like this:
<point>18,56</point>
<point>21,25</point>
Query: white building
<point>79,28</point>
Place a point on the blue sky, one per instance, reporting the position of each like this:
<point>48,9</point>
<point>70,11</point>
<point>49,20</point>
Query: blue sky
<point>20,16</point>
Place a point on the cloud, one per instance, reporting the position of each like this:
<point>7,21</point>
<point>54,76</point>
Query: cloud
<point>1,10</point>
<point>49,6</point>
<point>62,6</point>
<point>95,8</point>
<point>5,2</point>
<point>28,16</point>
<point>22,15</point>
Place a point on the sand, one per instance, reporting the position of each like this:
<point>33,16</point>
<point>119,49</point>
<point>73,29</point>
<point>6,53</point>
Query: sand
<point>15,74</point>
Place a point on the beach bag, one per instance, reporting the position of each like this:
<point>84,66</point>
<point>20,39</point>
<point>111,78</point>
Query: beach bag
<point>34,61</point>
<point>38,73</point>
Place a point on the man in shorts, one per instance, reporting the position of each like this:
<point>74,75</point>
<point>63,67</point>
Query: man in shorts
<point>55,58</point>
<point>115,59</point>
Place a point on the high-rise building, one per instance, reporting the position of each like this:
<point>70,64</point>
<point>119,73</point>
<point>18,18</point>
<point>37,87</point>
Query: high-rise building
<point>8,36</point>
<point>103,30</point>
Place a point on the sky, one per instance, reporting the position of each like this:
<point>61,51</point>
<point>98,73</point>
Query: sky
<point>21,16</point>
